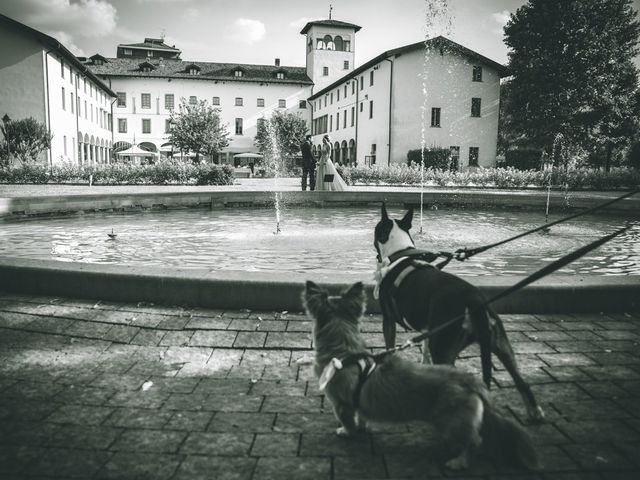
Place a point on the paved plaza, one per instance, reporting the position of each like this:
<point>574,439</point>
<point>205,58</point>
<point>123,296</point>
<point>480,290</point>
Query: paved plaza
<point>90,389</point>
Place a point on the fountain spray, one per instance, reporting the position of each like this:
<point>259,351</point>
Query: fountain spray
<point>276,159</point>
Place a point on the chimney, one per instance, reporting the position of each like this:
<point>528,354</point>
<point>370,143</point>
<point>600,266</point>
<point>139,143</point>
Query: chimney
<point>277,62</point>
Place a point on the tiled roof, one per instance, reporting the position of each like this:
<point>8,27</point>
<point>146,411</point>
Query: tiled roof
<point>150,43</point>
<point>330,23</point>
<point>170,68</point>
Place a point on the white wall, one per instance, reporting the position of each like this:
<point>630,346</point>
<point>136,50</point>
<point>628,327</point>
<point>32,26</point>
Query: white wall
<point>203,90</point>
<point>450,87</point>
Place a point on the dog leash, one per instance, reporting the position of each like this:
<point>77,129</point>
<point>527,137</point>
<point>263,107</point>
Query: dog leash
<point>464,253</point>
<point>552,267</point>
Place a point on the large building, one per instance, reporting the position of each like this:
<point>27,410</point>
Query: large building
<point>40,78</point>
<point>375,113</point>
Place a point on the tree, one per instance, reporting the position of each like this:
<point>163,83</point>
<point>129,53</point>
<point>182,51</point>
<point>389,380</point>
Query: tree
<point>573,74</point>
<point>25,139</point>
<point>197,128</point>
<point>289,130</point>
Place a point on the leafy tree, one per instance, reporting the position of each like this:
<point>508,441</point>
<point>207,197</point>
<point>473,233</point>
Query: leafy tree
<point>289,130</point>
<point>573,74</point>
<point>25,139</point>
<point>197,128</point>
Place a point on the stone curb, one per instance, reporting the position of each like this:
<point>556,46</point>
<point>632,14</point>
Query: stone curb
<point>266,291</point>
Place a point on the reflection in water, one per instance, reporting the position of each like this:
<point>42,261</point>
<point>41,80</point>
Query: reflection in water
<point>316,240</point>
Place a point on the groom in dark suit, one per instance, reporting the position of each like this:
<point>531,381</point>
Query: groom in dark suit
<point>308,165</point>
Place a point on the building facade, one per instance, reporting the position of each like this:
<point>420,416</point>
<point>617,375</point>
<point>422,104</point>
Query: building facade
<point>436,94</point>
<point>40,78</point>
<point>378,112</point>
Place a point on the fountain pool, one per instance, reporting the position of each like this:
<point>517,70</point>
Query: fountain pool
<point>315,240</point>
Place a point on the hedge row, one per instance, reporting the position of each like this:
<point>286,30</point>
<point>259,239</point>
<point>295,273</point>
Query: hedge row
<point>494,177</point>
<point>160,173</point>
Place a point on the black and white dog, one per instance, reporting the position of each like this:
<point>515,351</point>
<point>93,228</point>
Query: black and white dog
<point>421,297</point>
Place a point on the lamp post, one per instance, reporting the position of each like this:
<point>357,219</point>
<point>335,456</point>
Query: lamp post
<point>6,119</point>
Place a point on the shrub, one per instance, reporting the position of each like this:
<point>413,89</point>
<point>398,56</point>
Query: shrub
<point>161,173</point>
<point>524,159</point>
<point>439,158</point>
<point>633,156</point>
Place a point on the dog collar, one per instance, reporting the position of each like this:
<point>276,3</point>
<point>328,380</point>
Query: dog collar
<point>366,364</point>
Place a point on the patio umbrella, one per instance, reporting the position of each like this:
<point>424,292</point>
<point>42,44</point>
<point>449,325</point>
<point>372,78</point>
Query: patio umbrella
<point>247,155</point>
<point>136,151</point>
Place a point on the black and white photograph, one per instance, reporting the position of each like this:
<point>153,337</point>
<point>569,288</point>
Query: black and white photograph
<point>320,240</point>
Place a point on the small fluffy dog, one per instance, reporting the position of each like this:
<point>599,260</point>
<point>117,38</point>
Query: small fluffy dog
<point>396,390</point>
<point>421,297</point>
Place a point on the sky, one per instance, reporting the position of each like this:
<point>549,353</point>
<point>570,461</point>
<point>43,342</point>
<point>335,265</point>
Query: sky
<point>258,31</point>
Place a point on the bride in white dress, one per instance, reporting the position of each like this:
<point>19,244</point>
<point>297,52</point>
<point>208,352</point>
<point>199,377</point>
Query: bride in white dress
<point>327,177</point>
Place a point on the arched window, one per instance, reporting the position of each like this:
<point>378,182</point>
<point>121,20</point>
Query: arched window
<point>320,45</point>
<point>310,45</point>
<point>337,40</point>
<point>238,73</point>
<point>328,41</point>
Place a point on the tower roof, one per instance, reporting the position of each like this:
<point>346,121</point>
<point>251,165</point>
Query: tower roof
<point>330,23</point>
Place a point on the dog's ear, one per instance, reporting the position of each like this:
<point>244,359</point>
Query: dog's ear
<point>354,299</point>
<point>313,297</point>
<point>405,223</point>
<point>385,215</point>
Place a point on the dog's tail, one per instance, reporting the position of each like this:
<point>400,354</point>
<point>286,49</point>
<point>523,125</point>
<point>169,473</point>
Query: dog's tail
<point>477,316</point>
<point>506,441</point>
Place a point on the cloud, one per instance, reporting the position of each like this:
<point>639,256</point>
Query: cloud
<point>300,22</point>
<point>245,30</point>
<point>88,18</point>
<point>501,18</point>
<point>68,42</point>
<point>190,13</point>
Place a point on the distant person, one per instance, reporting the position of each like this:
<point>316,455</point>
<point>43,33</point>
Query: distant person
<point>308,164</point>
<point>328,178</point>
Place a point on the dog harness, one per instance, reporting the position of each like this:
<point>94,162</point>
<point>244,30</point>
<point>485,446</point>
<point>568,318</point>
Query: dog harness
<point>365,363</point>
<point>392,272</point>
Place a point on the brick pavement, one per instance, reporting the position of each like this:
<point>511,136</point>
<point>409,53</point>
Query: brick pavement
<point>100,390</point>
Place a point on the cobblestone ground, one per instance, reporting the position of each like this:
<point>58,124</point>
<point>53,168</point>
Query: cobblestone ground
<point>98,390</point>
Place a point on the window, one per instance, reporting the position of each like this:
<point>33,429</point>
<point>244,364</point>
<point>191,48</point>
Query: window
<point>280,75</point>
<point>353,87</point>
<point>193,100</point>
<point>474,153</point>
<point>122,125</point>
<point>477,73</point>
<point>282,103</point>
<point>86,114</point>
<point>325,100</point>
<point>361,106</point>
<point>71,102</point>
<point>361,82</point>
<point>238,101</point>
<point>338,121</point>
<point>122,99</point>
<point>370,108</point>
<point>344,122</point>
<point>325,71</point>
<point>167,125</point>
<point>146,69</point>
<point>215,101</point>
<point>146,125</point>
<point>345,91</point>
<point>62,69</point>
<point>345,65</point>
<point>338,95</point>
<point>330,123</point>
<point>302,104</point>
<point>145,100</point>
<point>475,107</point>
<point>347,45</point>
<point>85,85</point>
<point>70,75</point>
<point>371,78</point>
<point>169,101</point>
<point>194,71</point>
<point>78,104</point>
<point>331,101</point>
<point>455,156</point>
<point>64,99</point>
<point>64,142</point>
<point>238,126</point>
<point>237,73</point>
<point>261,102</point>
<point>128,51</point>
<point>435,117</point>
<point>149,53</point>
<point>91,110</point>
<point>353,116</point>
